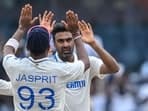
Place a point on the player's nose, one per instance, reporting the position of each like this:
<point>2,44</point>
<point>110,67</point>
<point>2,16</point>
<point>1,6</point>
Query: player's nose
<point>65,44</point>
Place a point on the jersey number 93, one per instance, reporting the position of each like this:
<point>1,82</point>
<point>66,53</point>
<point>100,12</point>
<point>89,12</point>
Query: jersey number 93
<point>30,98</point>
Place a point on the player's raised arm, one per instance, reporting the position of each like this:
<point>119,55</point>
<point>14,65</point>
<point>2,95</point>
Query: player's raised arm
<point>109,65</point>
<point>72,25</point>
<point>25,21</point>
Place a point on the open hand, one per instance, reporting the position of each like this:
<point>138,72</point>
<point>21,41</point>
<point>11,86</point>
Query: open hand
<point>46,21</point>
<point>26,20</point>
<point>87,32</point>
<point>71,22</point>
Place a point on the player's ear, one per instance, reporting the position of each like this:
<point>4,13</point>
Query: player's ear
<point>50,51</point>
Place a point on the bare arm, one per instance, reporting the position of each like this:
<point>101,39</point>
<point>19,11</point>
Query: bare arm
<point>25,22</point>
<point>9,49</point>
<point>110,64</point>
<point>72,24</point>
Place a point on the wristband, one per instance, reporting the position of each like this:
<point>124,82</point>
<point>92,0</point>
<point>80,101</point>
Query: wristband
<point>76,34</point>
<point>13,43</point>
<point>77,37</point>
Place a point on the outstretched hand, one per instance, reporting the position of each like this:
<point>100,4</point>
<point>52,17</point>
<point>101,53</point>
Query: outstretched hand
<point>71,22</point>
<point>46,21</point>
<point>87,32</point>
<point>26,20</point>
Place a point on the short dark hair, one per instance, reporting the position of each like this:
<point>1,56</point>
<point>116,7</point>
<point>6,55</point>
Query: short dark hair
<point>38,40</point>
<point>58,27</point>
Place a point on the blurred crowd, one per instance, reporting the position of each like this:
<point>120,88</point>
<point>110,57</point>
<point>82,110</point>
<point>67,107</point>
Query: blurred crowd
<point>120,26</point>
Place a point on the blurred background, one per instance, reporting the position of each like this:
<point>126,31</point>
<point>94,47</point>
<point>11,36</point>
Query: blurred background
<point>121,26</point>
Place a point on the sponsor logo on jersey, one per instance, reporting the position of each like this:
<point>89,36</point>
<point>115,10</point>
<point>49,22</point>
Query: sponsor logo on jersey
<point>76,84</point>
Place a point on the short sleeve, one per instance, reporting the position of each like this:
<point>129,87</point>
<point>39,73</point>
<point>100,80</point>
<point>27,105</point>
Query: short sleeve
<point>95,65</point>
<point>10,63</point>
<point>5,88</point>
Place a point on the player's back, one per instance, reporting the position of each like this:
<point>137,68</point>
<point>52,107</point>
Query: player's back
<point>40,84</point>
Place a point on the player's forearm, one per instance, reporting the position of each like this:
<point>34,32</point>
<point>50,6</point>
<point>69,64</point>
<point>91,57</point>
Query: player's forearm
<point>81,52</point>
<point>19,34</point>
<point>8,48</point>
<point>107,59</point>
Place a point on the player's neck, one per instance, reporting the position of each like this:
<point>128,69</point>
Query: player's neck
<point>67,59</point>
<point>38,56</point>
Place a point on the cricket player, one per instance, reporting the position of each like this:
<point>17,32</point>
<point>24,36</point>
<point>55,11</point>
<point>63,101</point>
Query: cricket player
<point>78,91</point>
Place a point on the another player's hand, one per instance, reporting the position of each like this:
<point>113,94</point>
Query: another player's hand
<point>47,20</point>
<point>87,32</point>
<point>26,20</point>
<point>71,21</point>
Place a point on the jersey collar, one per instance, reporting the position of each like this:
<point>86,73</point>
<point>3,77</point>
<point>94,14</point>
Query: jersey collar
<point>38,60</point>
